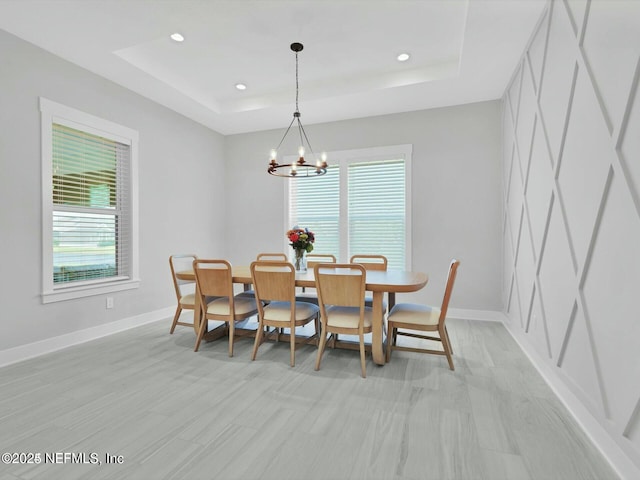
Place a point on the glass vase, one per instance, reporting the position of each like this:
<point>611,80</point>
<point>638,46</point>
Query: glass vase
<point>300,260</point>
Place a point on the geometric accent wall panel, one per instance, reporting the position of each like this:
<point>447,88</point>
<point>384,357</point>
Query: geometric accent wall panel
<point>557,280</point>
<point>558,73</point>
<point>537,328</point>
<point>539,187</point>
<point>515,200</point>
<point>579,365</point>
<point>611,48</point>
<point>525,270</point>
<point>582,182</point>
<point>630,147</point>
<point>572,206</point>
<point>536,51</point>
<point>526,119</point>
<point>577,10</point>
<point>611,296</point>
<point>514,95</point>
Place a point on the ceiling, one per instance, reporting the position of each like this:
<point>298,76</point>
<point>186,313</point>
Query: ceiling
<point>462,51</point>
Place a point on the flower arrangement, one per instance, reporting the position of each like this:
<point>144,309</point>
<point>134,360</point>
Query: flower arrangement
<point>301,239</point>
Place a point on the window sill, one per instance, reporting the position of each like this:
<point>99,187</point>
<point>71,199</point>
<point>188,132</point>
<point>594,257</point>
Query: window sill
<point>70,293</point>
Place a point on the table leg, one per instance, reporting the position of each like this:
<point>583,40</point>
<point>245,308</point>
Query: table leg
<point>377,352</point>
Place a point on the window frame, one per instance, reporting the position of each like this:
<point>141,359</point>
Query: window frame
<point>53,112</point>
<point>342,159</point>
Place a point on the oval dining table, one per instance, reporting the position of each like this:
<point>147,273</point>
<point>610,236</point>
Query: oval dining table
<point>378,282</point>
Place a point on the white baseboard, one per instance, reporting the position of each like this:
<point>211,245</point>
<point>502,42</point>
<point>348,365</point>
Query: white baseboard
<point>601,438</point>
<point>466,314</point>
<point>35,349</point>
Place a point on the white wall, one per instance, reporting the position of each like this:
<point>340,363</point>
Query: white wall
<point>572,226</point>
<point>181,174</point>
<point>456,185</point>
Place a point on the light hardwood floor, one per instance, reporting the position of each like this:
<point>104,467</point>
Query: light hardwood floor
<point>175,414</point>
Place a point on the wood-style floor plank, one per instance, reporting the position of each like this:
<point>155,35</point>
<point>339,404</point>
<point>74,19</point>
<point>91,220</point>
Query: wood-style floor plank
<point>175,414</point>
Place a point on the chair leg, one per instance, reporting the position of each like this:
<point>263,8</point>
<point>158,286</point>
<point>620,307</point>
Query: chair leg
<point>446,346</point>
<point>175,318</point>
<point>292,342</point>
<point>448,339</point>
<point>232,329</point>
<point>362,357</point>
<point>258,340</point>
<point>201,331</point>
<point>390,331</point>
<point>323,341</point>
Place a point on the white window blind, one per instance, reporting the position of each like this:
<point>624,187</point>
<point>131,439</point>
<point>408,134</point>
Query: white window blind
<point>361,206</point>
<point>91,229</point>
<point>315,204</point>
<point>89,204</point>
<point>377,221</point>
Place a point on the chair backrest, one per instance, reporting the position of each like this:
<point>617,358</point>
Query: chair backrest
<point>314,258</point>
<point>451,278</point>
<point>213,278</point>
<point>179,263</point>
<point>272,256</point>
<point>370,262</point>
<point>340,284</point>
<point>274,281</point>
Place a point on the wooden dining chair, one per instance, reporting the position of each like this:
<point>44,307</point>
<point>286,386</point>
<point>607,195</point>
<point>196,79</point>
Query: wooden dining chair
<point>214,279</point>
<point>309,294</point>
<point>271,256</point>
<point>275,286</point>
<point>262,257</point>
<point>185,289</point>
<point>372,262</point>
<point>423,318</point>
<point>341,288</point>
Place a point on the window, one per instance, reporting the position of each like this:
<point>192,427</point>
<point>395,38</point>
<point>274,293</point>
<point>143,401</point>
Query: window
<point>89,198</point>
<point>361,206</point>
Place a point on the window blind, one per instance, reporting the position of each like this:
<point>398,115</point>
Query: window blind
<point>91,219</point>
<point>377,220</point>
<point>315,204</point>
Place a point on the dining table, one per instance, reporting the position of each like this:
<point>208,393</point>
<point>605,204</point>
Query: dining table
<point>378,282</point>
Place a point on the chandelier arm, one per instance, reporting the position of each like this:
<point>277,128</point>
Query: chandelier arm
<point>300,132</point>
<point>285,133</point>
<point>306,138</point>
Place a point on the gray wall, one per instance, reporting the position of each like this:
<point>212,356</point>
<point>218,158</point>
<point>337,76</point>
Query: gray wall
<point>572,224</point>
<point>181,173</point>
<point>456,185</point>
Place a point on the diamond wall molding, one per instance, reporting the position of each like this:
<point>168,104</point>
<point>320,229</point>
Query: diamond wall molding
<point>571,118</point>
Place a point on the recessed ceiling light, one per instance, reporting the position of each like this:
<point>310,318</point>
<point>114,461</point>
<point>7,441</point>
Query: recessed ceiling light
<point>241,86</point>
<point>176,37</point>
<point>403,57</point>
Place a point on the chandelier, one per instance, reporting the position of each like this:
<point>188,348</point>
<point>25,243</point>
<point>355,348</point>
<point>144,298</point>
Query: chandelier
<point>300,168</point>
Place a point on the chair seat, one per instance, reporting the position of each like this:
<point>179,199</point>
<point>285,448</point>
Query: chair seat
<point>414,314</point>
<point>188,301</point>
<point>281,311</point>
<point>243,306</point>
<point>348,317</point>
